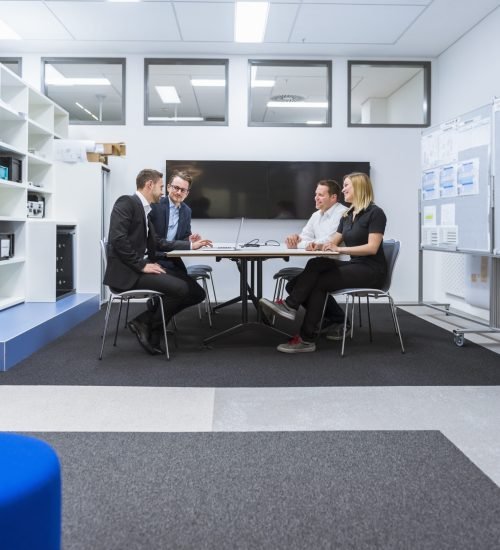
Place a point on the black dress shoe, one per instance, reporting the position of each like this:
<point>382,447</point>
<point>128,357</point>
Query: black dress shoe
<point>141,331</point>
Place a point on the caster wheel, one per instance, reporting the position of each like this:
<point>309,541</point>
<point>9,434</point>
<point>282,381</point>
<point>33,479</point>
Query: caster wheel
<point>459,340</point>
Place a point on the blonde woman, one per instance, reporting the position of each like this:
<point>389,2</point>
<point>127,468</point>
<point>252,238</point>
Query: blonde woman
<point>361,230</point>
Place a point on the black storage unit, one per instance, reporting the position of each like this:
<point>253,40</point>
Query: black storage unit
<point>14,168</point>
<point>65,262</point>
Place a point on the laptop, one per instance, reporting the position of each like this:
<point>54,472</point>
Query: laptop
<point>230,246</point>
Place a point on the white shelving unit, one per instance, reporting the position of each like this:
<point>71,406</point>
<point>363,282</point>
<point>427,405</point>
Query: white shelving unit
<point>29,123</point>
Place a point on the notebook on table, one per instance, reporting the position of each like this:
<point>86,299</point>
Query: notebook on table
<point>230,246</point>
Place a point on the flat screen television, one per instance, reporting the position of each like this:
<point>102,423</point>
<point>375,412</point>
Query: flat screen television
<point>258,189</point>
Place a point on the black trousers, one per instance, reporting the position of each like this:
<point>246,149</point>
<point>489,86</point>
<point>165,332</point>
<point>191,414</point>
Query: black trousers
<point>333,312</point>
<point>179,292</point>
<point>323,275</point>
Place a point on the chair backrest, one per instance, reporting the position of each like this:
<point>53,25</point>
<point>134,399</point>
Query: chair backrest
<point>391,251</point>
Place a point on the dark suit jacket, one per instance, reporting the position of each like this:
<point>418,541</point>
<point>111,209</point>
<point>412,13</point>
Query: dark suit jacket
<point>128,243</point>
<point>159,216</point>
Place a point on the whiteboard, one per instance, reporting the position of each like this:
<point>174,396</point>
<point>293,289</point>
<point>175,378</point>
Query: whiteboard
<point>455,206</point>
<point>495,164</point>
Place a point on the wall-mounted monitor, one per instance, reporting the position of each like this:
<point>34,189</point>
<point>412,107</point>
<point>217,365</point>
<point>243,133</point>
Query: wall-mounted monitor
<point>258,189</point>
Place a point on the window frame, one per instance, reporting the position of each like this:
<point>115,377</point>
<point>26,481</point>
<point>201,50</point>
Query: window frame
<point>149,61</point>
<point>328,64</point>
<point>87,61</point>
<point>17,60</point>
<point>425,65</point>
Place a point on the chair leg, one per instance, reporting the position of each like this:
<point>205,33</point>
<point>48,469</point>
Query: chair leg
<point>322,317</point>
<point>126,314</point>
<point>396,322</point>
<point>167,354</point>
<point>118,320</point>
<point>106,320</point>
<point>359,311</point>
<point>213,288</point>
<point>369,318</point>
<point>345,323</point>
<point>207,302</point>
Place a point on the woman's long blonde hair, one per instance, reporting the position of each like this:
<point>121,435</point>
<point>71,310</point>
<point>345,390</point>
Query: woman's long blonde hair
<point>362,191</point>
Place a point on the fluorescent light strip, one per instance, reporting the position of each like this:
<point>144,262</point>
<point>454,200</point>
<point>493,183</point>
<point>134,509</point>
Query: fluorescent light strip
<point>54,78</point>
<point>250,21</point>
<point>314,122</point>
<point>86,110</point>
<point>168,94</point>
<point>176,118</point>
<point>207,82</point>
<point>7,33</point>
<point>299,104</point>
<point>263,83</point>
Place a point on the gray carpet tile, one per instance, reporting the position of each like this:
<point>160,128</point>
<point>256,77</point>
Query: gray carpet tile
<point>290,490</point>
<point>250,359</point>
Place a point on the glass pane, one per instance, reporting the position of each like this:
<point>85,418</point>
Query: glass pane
<point>289,93</point>
<point>12,63</point>
<point>388,93</point>
<point>186,92</point>
<point>90,90</point>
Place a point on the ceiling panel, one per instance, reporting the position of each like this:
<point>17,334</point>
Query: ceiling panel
<point>205,22</point>
<point>280,22</point>
<point>335,23</point>
<point>117,21</point>
<point>40,25</point>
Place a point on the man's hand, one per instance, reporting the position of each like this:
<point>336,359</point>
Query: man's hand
<point>194,237</point>
<point>200,243</point>
<point>314,246</point>
<point>292,241</point>
<point>153,268</point>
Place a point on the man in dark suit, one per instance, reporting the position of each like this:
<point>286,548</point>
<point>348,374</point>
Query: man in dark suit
<point>131,237</point>
<point>171,218</point>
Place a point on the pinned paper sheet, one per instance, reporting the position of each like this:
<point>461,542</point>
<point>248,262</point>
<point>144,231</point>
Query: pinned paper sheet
<point>429,215</point>
<point>448,214</point>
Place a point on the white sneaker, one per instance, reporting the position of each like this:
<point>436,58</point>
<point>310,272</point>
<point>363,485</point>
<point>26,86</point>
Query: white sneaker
<point>278,308</point>
<point>297,345</point>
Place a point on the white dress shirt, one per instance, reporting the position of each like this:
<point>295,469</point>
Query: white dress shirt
<point>322,226</point>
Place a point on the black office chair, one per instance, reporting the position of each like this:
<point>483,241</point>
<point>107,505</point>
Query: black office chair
<point>282,277</point>
<point>198,273</point>
<point>391,251</point>
<point>126,296</point>
<point>208,269</point>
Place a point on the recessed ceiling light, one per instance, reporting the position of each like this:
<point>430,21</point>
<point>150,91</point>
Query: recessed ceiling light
<point>250,21</point>
<point>7,33</point>
<point>207,82</point>
<point>86,110</point>
<point>168,94</point>
<point>313,122</point>
<point>54,78</point>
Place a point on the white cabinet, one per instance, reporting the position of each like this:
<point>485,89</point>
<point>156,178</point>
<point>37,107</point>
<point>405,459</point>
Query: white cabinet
<point>80,197</point>
<point>29,123</point>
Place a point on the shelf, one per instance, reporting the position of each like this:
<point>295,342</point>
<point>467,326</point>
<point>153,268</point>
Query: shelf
<point>35,159</point>
<point>8,113</point>
<point>6,184</point>
<point>7,148</point>
<point>38,129</point>
<point>35,189</point>
<point>10,261</point>
<point>11,219</point>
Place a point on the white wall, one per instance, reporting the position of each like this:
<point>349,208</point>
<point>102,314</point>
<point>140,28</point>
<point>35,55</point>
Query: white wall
<point>406,102</point>
<point>394,155</point>
<point>467,78</point>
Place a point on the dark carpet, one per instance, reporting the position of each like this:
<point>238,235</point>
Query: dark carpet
<point>294,490</point>
<point>249,359</point>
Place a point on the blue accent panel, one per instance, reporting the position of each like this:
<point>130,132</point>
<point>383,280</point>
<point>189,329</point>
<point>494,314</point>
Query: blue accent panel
<point>26,328</point>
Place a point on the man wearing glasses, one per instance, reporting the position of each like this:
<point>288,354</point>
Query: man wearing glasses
<point>171,218</point>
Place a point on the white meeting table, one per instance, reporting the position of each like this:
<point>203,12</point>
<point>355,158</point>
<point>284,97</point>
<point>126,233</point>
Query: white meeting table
<point>244,256</point>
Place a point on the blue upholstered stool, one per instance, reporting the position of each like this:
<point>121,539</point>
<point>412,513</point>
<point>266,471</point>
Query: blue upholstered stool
<point>30,494</point>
